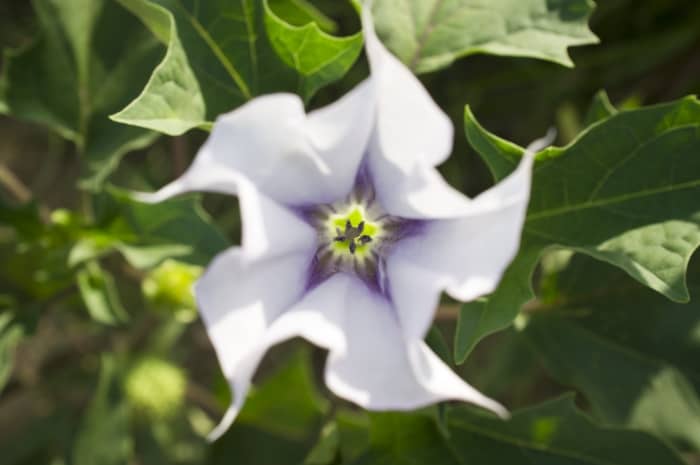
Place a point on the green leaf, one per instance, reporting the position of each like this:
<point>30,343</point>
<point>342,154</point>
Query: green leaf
<point>147,234</point>
<point>104,437</point>
<point>219,57</point>
<point>100,295</point>
<point>353,432</point>
<point>319,58</point>
<point>606,327</point>
<point>172,100</point>
<point>624,192</point>
<point>280,419</point>
<point>301,12</point>
<point>430,34</point>
<point>36,440</point>
<point>485,316</point>
<point>552,433</point>
<point>327,446</point>
<point>3,103</point>
<point>76,74</point>
<point>600,109</point>
<point>436,341</point>
<point>33,253</point>
<point>11,333</point>
<point>25,219</point>
<point>287,403</point>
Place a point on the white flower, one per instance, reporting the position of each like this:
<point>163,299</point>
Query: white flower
<point>349,237</point>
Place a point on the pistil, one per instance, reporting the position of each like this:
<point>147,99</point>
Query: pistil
<point>352,235</point>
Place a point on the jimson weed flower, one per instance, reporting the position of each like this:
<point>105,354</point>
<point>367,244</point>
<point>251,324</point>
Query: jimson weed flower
<point>350,235</point>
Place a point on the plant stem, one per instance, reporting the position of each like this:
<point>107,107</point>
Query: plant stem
<point>14,185</point>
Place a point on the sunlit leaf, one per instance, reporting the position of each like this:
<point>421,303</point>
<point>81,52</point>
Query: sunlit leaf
<point>624,192</point>
<point>430,34</point>
<point>219,56</point>
<point>319,58</point>
<point>302,12</point>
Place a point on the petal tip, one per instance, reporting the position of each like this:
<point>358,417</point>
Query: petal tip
<point>224,424</point>
<point>147,197</point>
<point>542,142</point>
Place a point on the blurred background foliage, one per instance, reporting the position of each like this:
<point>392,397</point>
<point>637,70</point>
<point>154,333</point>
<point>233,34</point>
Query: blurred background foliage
<point>103,360</point>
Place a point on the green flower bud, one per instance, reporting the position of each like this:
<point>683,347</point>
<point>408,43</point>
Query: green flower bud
<point>169,288</point>
<point>62,217</point>
<point>155,388</point>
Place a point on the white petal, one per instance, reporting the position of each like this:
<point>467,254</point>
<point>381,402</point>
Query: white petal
<point>413,188</point>
<point>466,255</point>
<point>340,133</point>
<point>270,229</point>
<point>239,298</point>
<point>245,289</point>
<point>317,316</point>
<point>415,291</point>
<point>370,362</point>
<point>443,382</point>
<point>411,137</point>
<point>410,124</point>
<point>292,158</point>
<point>381,369</point>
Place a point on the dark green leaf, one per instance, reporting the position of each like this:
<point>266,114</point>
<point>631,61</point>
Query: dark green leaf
<point>147,234</point>
<point>219,57</point>
<point>33,254</point>
<point>327,446</point>
<point>279,420</point>
<point>3,103</point>
<point>632,353</point>
<point>353,431</point>
<point>36,441</point>
<point>482,317</point>
<point>11,333</point>
<point>552,433</point>
<point>104,437</point>
<point>24,219</point>
<point>438,344</point>
<point>76,74</point>
<point>276,406</point>
<point>600,109</point>
<point>100,295</point>
<point>624,192</point>
<point>430,34</point>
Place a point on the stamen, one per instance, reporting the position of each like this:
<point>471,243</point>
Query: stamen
<point>355,237</point>
<point>364,239</point>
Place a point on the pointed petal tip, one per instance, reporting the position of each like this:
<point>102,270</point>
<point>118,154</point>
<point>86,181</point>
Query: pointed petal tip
<point>542,143</point>
<point>499,410</point>
<point>147,197</point>
<point>224,424</point>
<point>176,187</point>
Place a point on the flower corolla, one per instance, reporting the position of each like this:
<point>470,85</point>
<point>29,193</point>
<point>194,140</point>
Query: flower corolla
<point>350,235</point>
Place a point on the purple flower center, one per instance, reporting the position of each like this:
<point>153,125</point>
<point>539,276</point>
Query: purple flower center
<point>356,236</point>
